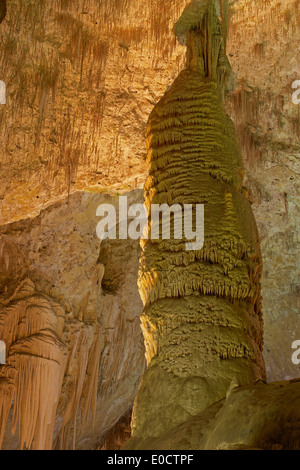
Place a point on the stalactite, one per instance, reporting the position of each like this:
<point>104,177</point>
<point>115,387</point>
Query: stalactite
<point>225,19</point>
<point>81,388</point>
<point>30,326</point>
<point>39,367</point>
<point>7,382</point>
<point>40,361</point>
<point>202,319</point>
<point>89,393</point>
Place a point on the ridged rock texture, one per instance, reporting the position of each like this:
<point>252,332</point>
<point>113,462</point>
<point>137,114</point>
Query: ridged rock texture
<point>81,81</point>
<point>266,417</point>
<point>2,10</point>
<point>202,320</point>
<point>75,352</point>
<point>31,327</point>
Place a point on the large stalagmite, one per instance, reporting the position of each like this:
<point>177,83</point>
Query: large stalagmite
<point>31,326</point>
<point>202,319</point>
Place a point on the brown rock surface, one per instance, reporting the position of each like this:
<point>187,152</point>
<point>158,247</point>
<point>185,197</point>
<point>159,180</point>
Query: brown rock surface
<point>81,84</point>
<point>267,417</point>
<point>202,319</point>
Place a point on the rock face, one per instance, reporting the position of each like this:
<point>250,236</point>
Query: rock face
<point>75,352</point>
<point>80,85</point>
<point>75,107</point>
<point>32,327</point>
<point>202,320</point>
<point>267,122</point>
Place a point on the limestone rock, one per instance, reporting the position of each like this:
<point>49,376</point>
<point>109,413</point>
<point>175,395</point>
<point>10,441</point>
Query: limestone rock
<point>266,417</point>
<point>202,319</point>
<point>81,84</point>
<point>78,303</point>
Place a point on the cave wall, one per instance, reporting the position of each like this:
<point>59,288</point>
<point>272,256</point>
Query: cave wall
<point>82,79</point>
<point>202,319</point>
<point>78,297</point>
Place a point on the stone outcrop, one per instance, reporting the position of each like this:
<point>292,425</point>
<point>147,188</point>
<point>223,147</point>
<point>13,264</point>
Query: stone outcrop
<point>266,417</point>
<point>70,319</point>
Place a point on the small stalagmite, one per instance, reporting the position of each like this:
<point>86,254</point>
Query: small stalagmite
<point>202,320</point>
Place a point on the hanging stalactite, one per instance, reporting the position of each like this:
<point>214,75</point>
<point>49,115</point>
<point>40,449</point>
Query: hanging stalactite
<point>2,10</point>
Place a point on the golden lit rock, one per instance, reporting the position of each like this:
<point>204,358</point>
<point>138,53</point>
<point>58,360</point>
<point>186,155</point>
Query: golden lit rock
<point>80,84</point>
<point>202,320</point>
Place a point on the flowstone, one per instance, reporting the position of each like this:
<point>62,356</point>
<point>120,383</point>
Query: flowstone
<point>202,320</point>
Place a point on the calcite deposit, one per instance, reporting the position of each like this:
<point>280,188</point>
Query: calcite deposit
<point>75,352</point>
<point>81,81</point>
<point>266,417</point>
<point>202,320</point>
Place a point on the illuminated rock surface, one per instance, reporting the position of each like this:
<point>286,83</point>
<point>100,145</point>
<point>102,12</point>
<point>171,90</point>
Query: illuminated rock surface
<point>266,417</point>
<point>80,87</point>
<point>115,60</point>
<point>202,320</point>
<point>74,344</point>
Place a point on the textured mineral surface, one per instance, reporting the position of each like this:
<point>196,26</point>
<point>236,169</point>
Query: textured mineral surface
<point>81,82</point>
